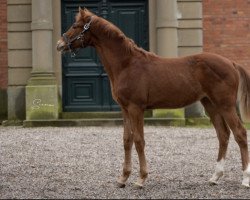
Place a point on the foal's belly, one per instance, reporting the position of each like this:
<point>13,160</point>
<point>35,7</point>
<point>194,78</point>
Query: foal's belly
<point>174,96</point>
<point>172,103</point>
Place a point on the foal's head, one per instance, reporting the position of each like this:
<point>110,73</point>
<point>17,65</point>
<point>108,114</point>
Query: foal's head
<point>78,35</point>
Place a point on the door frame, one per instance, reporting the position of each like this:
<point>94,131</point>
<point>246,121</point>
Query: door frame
<point>57,29</point>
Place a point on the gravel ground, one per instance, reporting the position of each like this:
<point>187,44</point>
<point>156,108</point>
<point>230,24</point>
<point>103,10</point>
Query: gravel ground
<point>84,162</point>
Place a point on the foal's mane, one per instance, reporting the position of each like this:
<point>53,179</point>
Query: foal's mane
<point>113,32</point>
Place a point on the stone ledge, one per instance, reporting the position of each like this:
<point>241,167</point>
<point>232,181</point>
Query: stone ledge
<point>178,122</point>
<point>101,122</point>
<point>97,115</point>
<point>12,123</point>
<point>202,121</point>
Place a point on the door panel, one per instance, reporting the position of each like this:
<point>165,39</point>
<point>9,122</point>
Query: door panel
<point>85,83</point>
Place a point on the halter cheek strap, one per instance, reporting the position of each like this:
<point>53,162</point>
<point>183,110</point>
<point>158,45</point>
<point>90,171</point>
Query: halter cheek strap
<point>80,36</point>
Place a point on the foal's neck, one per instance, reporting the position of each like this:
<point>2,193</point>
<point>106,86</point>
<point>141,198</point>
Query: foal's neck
<point>112,59</point>
<point>113,53</point>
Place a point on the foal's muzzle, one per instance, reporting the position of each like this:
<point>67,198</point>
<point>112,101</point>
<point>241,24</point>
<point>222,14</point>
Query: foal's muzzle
<point>60,46</point>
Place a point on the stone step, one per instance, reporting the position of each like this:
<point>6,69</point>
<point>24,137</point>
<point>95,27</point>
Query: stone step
<point>101,122</point>
<point>97,115</point>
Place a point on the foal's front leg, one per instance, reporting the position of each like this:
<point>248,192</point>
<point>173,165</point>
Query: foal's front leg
<point>128,143</point>
<point>137,122</point>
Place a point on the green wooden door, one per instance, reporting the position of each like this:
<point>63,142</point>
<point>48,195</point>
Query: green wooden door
<point>85,83</point>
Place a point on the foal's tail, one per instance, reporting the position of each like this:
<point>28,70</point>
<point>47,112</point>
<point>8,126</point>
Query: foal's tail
<point>243,96</point>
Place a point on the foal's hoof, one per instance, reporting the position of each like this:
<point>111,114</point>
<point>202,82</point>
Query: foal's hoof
<point>246,185</point>
<point>138,185</point>
<point>213,182</point>
<point>121,184</point>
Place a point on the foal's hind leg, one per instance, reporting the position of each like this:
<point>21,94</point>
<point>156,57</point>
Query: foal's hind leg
<point>240,135</point>
<point>223,134</point>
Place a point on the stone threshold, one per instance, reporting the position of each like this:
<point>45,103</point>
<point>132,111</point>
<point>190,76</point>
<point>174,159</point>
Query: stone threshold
<point>180,122</point>
<point>100,122</point>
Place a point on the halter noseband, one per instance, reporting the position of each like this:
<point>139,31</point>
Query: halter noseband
<point>80,36</point>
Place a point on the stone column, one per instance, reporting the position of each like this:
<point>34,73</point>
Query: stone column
<point>167,42</point>
<point>42,100</point>
<point>166,25</point>
<point>190,42</point>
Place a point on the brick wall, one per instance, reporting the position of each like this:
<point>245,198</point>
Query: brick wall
<point>3,45</point>
<point>226,29</point>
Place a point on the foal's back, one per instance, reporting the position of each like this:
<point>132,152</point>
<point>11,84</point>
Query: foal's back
<point>177,82</point>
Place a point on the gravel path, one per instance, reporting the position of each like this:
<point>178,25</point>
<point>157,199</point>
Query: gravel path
<point>85,162</point>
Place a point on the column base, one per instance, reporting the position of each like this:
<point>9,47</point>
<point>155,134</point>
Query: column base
<point>195,115</point>
<point>195,110</point>
<point>16,102</point>
<point>169,113</point>
<point>42,98</point>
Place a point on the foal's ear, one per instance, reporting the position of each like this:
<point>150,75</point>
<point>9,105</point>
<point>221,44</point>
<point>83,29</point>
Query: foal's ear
<point>82,11</point>
<point>79,9</point>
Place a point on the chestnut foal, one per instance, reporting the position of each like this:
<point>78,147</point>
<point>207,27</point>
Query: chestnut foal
<point>141,80</point>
